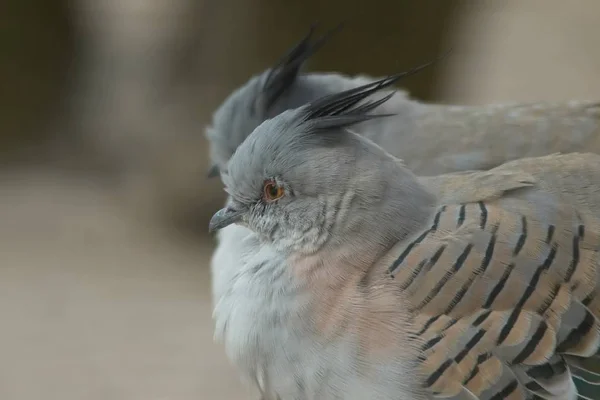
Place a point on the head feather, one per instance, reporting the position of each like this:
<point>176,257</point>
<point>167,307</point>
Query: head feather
<point>283,74</point>
<point>342,109</point>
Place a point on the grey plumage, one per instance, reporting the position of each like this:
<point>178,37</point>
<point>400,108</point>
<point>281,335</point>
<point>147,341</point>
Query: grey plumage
<point>365,281</point>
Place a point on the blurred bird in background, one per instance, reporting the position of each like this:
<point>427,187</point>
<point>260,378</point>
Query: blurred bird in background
<point>430,138</point>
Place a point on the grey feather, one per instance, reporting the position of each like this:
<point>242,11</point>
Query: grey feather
<point>281,77</point>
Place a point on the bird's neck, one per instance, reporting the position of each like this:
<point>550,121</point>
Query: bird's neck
<point>361,242</point>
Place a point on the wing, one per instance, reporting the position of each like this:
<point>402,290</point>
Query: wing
<point>505,306</point>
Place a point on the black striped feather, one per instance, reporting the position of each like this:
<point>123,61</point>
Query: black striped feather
<point>507,307</point>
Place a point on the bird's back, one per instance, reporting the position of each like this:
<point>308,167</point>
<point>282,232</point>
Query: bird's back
<point>436,139</point>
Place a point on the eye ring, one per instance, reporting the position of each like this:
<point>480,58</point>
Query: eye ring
<point>272,191</point>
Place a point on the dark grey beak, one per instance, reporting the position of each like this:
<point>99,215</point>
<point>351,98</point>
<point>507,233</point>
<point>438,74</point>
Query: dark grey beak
<point>224,217</point>
<point>213,171</point>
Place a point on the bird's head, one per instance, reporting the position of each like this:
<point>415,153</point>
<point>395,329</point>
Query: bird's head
<point>263,96</point>
<point>302,179</point>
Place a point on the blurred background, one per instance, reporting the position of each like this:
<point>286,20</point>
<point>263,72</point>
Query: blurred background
<point>104,280</point>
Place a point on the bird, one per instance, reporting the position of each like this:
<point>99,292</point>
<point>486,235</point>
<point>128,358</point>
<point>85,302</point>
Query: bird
<point>370,282</point>
<point>432,139</point>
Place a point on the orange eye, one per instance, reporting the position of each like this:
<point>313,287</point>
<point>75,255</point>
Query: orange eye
<point>272,191</point>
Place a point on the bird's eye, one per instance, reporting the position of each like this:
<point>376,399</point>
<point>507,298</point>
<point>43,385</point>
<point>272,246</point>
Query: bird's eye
<point>272,191</point>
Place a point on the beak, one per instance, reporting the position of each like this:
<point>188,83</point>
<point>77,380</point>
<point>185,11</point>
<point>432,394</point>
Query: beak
<point>213,171</point>
<point>224,217</point>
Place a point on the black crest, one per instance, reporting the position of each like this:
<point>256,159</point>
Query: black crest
<point>342,109</point>
<point>284,73</point>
